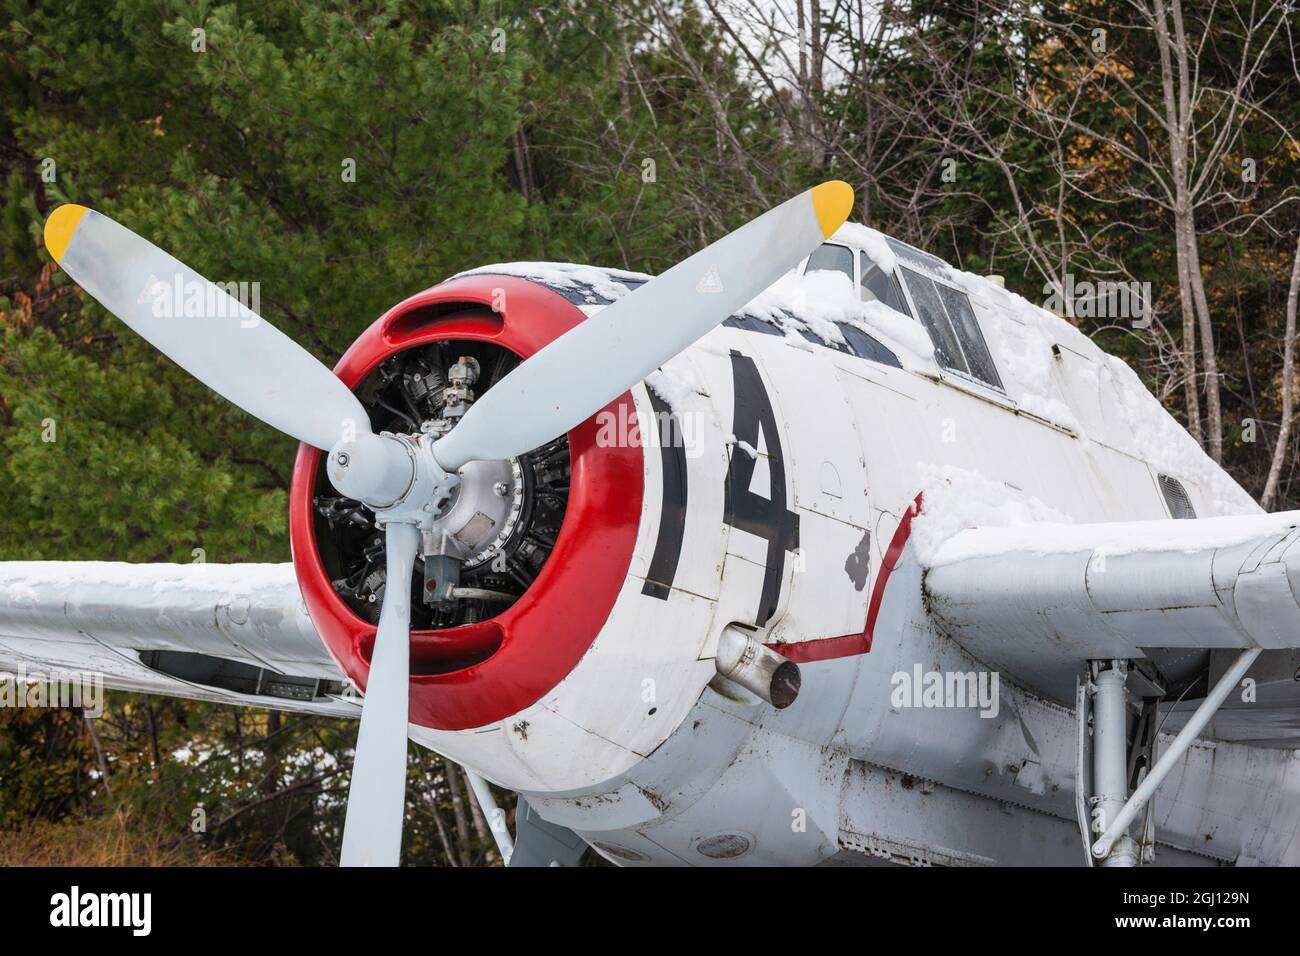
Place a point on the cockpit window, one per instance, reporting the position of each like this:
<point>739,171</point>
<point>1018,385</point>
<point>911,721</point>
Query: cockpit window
<point>932,315</point>
<point>918,259</point>
<point>969,335</point>
<point>881,286</point>
<point>947,315</point>
<point>829,257</point>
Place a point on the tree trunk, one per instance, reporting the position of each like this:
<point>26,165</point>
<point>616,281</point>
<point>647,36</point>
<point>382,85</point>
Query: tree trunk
<point>271,753</point>
<point>99,754</point>
<point>485,837</point>
<point>802,31</point>
<point>1288,387</point>
<point>431,794</point>
<point>476,812</point>
<point>523,165</point>
<point>1176,123</point>
<point>1191,392</point>
<point>153,738</point>
<point>815,32</point>
<point>816,127</point>
<point>1191,250</point>
<point>452,773</point>
<point>1209,358</point>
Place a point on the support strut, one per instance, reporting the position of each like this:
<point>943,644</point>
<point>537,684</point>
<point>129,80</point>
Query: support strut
<point>496,818</point>
<point>1110,759</point>
<point>1115,830</point>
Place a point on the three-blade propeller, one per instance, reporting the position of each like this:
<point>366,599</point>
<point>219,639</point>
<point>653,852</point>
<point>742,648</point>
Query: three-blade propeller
<point>245,359</point>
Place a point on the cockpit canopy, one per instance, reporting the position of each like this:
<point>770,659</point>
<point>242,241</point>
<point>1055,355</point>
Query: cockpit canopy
<point>922,287</point>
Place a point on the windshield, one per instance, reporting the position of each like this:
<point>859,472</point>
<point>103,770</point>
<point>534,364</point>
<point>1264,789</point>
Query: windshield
<point>831,258</point>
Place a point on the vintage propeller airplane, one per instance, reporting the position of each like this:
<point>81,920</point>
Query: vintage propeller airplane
<point>812,549</point>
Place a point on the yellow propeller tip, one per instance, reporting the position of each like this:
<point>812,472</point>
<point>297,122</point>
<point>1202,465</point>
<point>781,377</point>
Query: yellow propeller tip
<point>832,201</point>
<point>60,226</point>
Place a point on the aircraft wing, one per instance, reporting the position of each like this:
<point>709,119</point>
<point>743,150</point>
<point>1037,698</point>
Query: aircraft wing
<point>1036,601</point>
<point>230,633</point>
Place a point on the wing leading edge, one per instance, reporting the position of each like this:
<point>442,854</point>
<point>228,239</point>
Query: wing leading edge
<point>1036,601</point>
<point>236,634</point>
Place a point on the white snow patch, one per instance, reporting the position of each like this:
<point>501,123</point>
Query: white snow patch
<point>812,302</point>
<point>566,275</point>
<point>1167,446</point>
<point>1000,301</point>
<point>1021,336</point>
<point>677,386</point>
<point>954,499</point>
<point>903,335</point>
<point>1115,538</point>
<point>1023,352</point>
<point>818,300</point>
<point>869,241</point>
<point>25,579</point>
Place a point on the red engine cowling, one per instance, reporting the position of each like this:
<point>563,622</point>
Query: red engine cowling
<point>523,652</point>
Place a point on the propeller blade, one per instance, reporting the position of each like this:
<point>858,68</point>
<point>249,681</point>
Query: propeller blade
<point>229,348</point>
<point>372,829</point>
<point>577,374</point>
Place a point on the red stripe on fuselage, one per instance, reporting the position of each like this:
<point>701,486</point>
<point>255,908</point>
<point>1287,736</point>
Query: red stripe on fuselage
<point>847,645</point>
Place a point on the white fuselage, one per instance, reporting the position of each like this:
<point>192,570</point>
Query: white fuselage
<point>652,759</point>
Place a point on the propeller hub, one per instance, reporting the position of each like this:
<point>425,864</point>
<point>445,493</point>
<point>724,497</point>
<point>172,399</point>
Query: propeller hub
<point>376,469</point>
<point>429,489</point>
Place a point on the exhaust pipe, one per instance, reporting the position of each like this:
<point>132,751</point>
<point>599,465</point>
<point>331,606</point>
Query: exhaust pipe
<point>758,669</point>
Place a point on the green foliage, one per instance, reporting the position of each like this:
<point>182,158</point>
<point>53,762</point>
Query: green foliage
<point>239,160</point>
<point>102,454</point>
<point>45,759</point>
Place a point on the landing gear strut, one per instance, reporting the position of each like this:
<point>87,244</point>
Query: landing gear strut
<point>1111,756</point>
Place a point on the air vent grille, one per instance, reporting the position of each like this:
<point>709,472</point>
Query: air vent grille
<point>1180,505</point>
